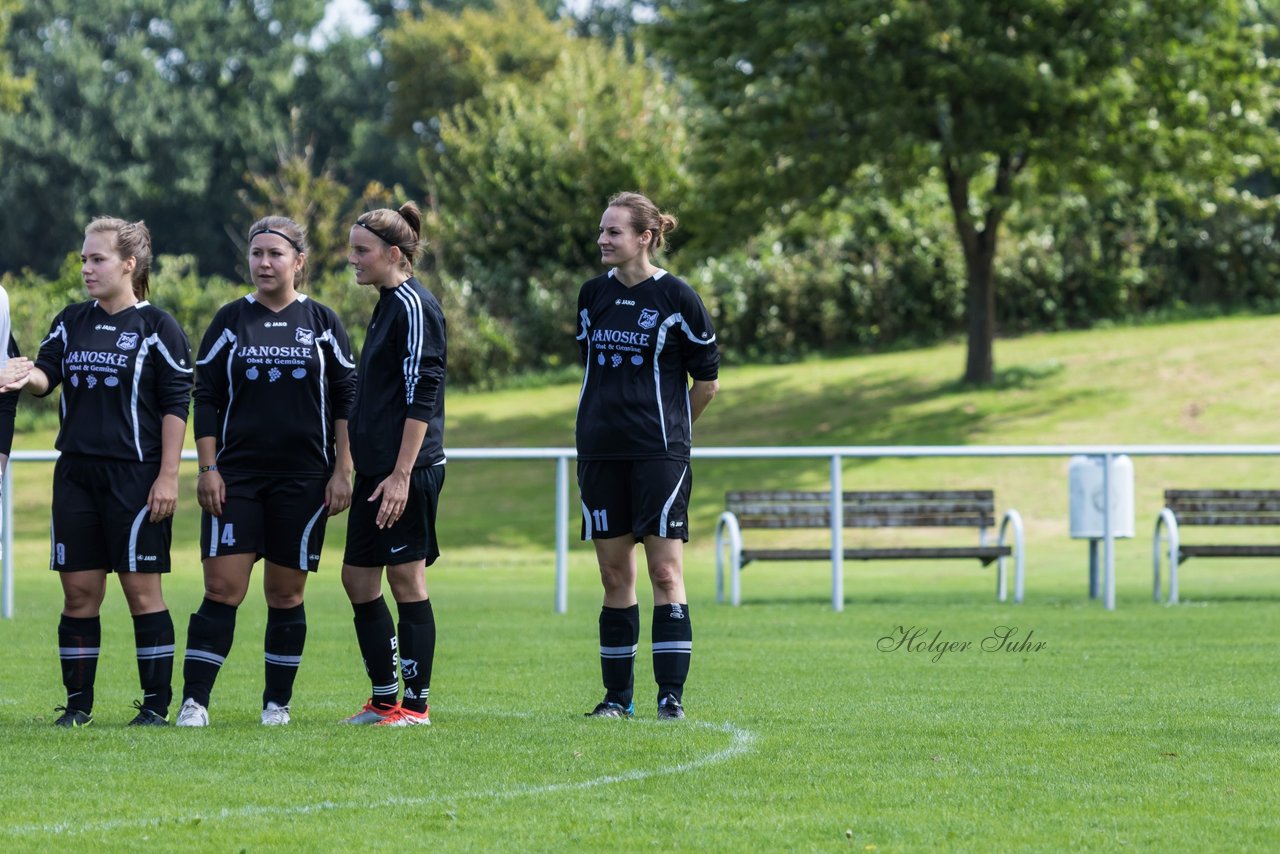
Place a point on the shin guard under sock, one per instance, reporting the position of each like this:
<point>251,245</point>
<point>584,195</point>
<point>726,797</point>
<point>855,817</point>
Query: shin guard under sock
<point>672,647</point>
<point>153,639</point>
<point>79,642</point>
<point>417,652</point>
<point>282,652</point>
<point>209,635</point>
<point>619,637</point>
<point>376,636</point>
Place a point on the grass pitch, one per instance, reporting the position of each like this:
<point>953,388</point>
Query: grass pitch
<point>1151,727</point>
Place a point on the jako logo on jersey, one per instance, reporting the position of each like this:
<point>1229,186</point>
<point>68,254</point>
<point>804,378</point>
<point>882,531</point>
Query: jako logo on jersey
<point>304,336</point>
<point>648,318</point>
<point>127,341</point>
<point>621,301</point>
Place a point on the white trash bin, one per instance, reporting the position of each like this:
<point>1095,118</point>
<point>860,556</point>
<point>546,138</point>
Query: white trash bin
<point>1084,476</point>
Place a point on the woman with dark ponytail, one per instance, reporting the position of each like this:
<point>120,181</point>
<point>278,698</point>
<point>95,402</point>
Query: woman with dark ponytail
<point>396,430</point>
<point>126,386</point>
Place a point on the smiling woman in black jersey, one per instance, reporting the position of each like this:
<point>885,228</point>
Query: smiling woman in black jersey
<point>397,443</point>
<point>126,385</point>
<point>274,385</point>
<point>643,333</point>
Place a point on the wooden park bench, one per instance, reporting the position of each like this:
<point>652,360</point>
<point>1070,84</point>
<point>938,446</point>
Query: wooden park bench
<point>1218,507</point>
<point>783,509</point>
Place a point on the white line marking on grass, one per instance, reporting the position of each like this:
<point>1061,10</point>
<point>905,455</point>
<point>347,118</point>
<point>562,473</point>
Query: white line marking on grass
<point>740,742</point>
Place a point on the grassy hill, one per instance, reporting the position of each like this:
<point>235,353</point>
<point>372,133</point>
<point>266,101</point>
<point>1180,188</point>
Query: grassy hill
<point>1197,382</point>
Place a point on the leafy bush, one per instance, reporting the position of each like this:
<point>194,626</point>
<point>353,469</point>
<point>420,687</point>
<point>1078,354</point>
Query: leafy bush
<point>865,272</point>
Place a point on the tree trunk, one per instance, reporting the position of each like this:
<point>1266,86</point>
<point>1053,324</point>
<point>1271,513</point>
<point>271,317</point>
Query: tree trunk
<point>980,306</point>
<point>979,246</point>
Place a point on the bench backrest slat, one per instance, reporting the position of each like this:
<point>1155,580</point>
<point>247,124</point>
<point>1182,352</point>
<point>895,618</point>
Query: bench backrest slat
<point>913,509</point>
<point>1227,519</point>
<point>1235,505</point>
<point>1224,506</point>
<point>816,521</point>
<point>825,495</point>
<point>1174,494</point>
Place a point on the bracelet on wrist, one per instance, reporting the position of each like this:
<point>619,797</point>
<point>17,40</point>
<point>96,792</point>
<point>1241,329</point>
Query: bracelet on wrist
<point>204,469</point>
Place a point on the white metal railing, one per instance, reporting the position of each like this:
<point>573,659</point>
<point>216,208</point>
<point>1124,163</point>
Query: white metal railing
<point>836,454</point>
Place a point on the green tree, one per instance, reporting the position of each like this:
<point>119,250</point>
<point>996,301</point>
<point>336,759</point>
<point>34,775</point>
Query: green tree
<point>311,197</point>
<point>151,108</point>
<point>523,170</point>
<point>12,87</point>
<point>443,59</point>
<point>343,103</point>
<point>1171,95</point>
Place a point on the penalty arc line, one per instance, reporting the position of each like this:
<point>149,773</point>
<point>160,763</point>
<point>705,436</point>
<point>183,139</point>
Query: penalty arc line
<point>740,743</point>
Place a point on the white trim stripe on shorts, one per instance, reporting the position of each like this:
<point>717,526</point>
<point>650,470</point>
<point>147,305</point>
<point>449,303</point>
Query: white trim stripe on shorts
<point>133,538</point>
<point>306,538</point>
<point>671,499</point>
<point>214,535</point>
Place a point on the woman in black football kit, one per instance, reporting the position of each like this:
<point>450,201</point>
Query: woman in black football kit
<point>274,385</point>
<point>397,443</point>
<point>126,387</point>
<point>643,334</point>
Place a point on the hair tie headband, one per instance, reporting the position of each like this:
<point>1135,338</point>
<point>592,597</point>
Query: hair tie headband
<point>376,233</point>
<point>287,238</point>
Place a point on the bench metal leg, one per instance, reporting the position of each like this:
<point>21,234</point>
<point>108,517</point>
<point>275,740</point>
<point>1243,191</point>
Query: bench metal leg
<point>1169,521</point>
<point>729,535</point>
<point>1011,518</point>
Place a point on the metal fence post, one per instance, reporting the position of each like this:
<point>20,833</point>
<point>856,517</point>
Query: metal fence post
<point>562,535</point>
<point>837,534</point>
<point>6,539</point>
<point>1108,538</point>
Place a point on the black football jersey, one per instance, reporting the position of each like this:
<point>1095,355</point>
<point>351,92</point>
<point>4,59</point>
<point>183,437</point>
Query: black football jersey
<point>270,385</point>
<point>402,373</point>
<point>120,374</point>
<point>639,346</point>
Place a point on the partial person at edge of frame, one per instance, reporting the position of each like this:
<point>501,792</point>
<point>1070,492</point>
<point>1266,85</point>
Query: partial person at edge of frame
<point>643,334</point>
<point>126,387</point>
<point>397,444</point>
<point>13,367</point>
<point>274,385</point>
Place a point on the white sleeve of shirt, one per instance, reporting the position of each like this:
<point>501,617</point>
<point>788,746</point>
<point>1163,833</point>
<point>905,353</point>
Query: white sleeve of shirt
<point>4,328</point>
